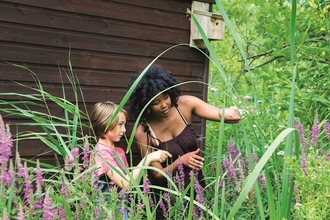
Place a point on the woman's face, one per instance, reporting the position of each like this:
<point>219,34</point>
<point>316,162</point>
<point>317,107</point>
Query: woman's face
<point>161,105</point>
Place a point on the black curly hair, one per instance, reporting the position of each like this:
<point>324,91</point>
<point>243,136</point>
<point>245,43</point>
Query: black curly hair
<point>153,82</point>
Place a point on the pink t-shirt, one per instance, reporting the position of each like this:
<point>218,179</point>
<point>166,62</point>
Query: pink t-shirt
<point>106,156</point>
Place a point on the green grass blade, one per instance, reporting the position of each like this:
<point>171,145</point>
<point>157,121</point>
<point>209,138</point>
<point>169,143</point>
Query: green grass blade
<point>250,180</point>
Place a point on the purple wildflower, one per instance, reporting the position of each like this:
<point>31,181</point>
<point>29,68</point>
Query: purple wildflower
<point>146,191</point>
<point>61,212</point>
<point>230,169</point>
<point>303,165</point>
<point>39,182</point>
<point>233,153</point>
<point>95,179</point>
<point>200,198</point>
<point>48,210</point>
<point>165,205</point>
<point>21,172</point>
<point>247,161</point>
<point>65,192</point>
<point>10,175</point>
<point>146,186</point>
<point>122,193</point>
<point>315,132</point>
<point>86,154</point>
<point>20,215</point>
<point>71,159</point>
<point>97,213</point>
<point>327,129</point>
<point>38,175</point>
<point>79,207</point>
<point>255,158</point>
<point>179,176</point>
<point>222,184</point>
<point>4,175</point>
<point>300,130</point>
<point>28,187</point>
<point>262,181</point>
<point>6,142</point>
<point>240,168</point>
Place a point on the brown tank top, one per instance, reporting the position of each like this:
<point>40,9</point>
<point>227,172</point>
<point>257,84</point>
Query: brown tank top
<point>183,143</point>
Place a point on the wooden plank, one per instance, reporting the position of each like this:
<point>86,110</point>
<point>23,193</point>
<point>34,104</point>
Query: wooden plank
<point>90,94</point>
<point>86,77</point>
<point>114,10</point>
<point>91,42</point>
<point>86,24</point>
<point>87,59</point>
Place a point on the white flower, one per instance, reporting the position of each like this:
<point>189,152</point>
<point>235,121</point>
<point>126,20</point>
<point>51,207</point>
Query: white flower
<point>298,204</point>
<point>280,153</point>
<point>213,89</point>
<point>247,97</point>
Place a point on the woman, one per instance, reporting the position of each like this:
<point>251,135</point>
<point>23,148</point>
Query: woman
<point>166,124</point>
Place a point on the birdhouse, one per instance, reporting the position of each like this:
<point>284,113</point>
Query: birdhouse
<point>212,24</point>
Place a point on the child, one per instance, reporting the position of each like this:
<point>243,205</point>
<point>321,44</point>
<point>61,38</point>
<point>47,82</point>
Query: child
<point>110,158</point>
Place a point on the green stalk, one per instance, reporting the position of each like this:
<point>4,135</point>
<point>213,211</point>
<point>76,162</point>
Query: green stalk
<point>287,185</point>
<point>252,177</point>
<point>251,162</point>
<point>218,165</point>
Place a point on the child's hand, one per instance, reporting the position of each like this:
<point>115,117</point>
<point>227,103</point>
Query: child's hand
<point>159,156</point>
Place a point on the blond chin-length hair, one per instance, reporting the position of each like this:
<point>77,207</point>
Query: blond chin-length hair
<point>101,114</point>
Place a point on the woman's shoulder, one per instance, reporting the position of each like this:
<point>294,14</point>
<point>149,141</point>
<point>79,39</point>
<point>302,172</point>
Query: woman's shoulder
<point>186,101</point>
<point>186,98</point>
<point>141,129</point>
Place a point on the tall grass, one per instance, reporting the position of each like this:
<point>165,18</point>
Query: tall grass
<point>278,208</point>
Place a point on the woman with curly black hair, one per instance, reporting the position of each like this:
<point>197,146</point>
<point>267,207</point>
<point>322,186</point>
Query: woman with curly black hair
<point>166,125</point>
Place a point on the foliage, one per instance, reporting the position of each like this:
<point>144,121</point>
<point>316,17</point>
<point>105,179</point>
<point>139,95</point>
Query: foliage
<point>311,173</point>
<point>263,29</point>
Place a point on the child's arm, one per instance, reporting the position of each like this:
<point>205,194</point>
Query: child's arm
<point>124,181</point>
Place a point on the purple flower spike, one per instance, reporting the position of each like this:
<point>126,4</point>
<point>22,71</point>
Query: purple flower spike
<point>28,187</point>
<point>327,129</point>
<point>179,176</point>
<point>315,132</point>
<point>6,142</point>
<point>230,169</point>
<point>21,172</point>
<point>300,130</point>
<point>20,215</point>
<point>232,152</point>
<point>38,175</point>
<point>86,155</point>
<point>70,160</point>
<point>303,165</point>
<point>48,211</point>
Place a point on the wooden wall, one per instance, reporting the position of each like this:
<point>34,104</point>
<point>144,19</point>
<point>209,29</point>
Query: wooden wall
<point>105,41</point>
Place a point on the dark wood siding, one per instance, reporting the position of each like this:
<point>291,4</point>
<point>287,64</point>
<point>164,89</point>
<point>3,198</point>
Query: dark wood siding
<point>106,41</point>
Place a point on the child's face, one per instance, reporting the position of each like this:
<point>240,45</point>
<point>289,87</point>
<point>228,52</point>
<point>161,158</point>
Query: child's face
<point>115,134</point>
